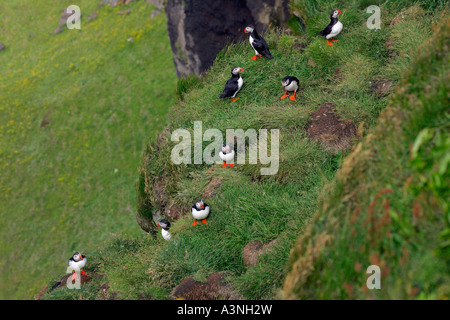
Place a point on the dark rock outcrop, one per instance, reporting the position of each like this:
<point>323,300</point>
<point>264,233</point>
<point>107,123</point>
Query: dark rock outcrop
<point>199,29</point>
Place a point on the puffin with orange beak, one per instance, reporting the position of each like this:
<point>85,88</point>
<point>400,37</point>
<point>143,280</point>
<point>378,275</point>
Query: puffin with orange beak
<point>290,84</point>
<point>233,85</point>
<point>258,43</point>
<point>77,263</point>
<point>200,211</point>
<point>165,225</point>
<point>333,29</point>
<point>227,155</point>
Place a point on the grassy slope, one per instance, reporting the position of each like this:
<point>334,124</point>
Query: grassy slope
<point>390,198</point>
<point>247,207</point>
<point>68,186</point>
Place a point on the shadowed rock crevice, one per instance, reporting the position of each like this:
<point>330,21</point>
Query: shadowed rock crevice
<point>198,30</point>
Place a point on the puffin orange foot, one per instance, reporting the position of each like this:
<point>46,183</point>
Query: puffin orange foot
<point>284,96</point>
<point>235,99</point>
<point>260,55</point>
<point>254,57</point>
<point>292,98</point>
<point>224,164</point>
<point>195,223</point>
<point>231,164</point>
<point>83,272</point>
<point>74,276</point>
<point>329,43</point>
<point>204,221</point>
<point>334,40</point>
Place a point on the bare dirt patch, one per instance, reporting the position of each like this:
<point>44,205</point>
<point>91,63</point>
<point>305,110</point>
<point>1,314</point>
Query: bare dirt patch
<point>333,132</point>
<point>212,187</point>
<point>214,288</point>
<point>253,250</point>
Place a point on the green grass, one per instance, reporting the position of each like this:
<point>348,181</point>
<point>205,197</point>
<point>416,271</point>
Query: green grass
<point>69,185</point>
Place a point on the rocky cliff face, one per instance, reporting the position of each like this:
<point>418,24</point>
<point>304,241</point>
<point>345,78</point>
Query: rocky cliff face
<point>199,29</point>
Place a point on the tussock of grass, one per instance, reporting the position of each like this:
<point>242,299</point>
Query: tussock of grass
<point>377,205</point>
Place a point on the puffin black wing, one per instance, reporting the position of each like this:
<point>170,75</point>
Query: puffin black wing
<point>262,47</point>
<point>230,88</point>
<point>56,285</point>
<point>326,31</point>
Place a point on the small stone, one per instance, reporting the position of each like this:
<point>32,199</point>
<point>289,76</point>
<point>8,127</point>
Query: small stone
<point>125,12</point>
<point>92,16</point>
<point>155,13</point>
<point>58,30</point>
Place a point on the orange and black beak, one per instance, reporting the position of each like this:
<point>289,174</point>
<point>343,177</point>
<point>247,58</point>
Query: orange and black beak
<point>241,70</point>
<point>159,225</point>
<point>245,30</point>
<point>203,207</point>
<point>339,11</point>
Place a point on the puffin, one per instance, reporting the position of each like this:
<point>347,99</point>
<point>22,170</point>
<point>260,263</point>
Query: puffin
<point>165,225</point>
<point>227,155</point>
<point>233,85</point>
<point>258,43</point>
<point>200,211</point>
<point>289,84</point>
<point>333,29</point>
<point>77,262</point>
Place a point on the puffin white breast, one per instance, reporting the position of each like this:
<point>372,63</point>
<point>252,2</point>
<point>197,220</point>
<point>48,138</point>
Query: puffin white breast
<point>77,264</point>
<point>226,157</point>
<point>292,86</point>
<point>200,214</point>
<point>335,30</point>
<point>166,234</point>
